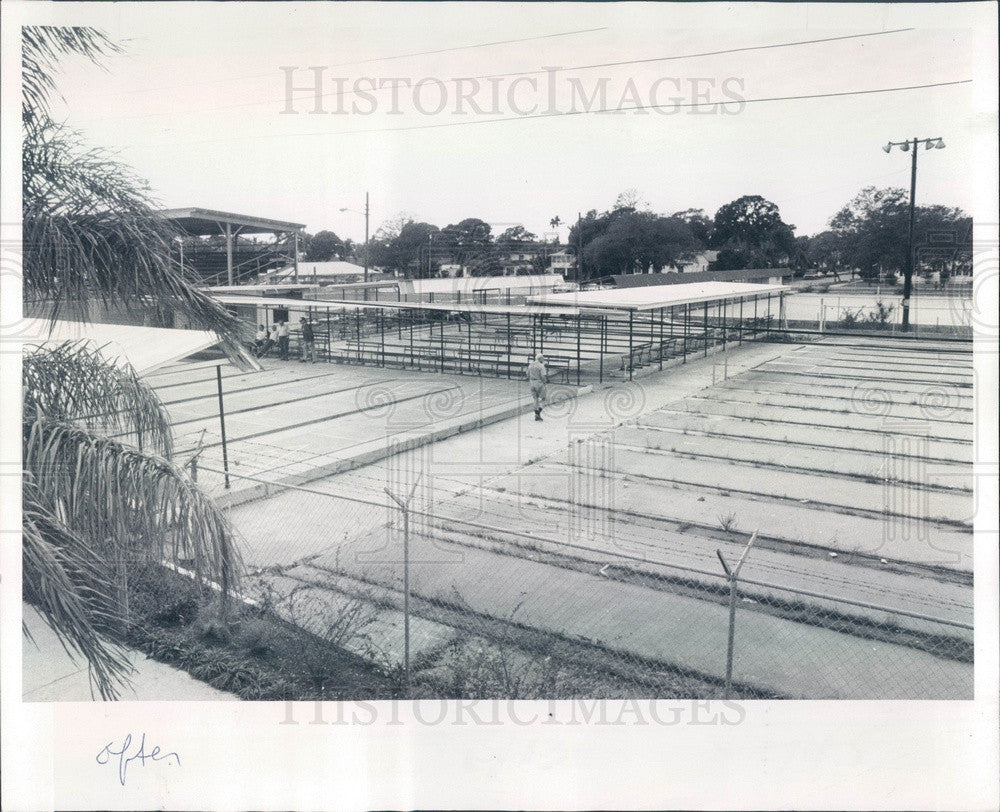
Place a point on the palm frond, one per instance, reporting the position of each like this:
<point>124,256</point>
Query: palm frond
<point>90,232</point>
<point>118,498</point>
<point>65,579</point>
<point>74,383</point>
<point>42,47</point>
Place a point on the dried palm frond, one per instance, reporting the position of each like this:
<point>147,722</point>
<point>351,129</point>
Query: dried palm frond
<point>66,580</point>
<point>75,383</point>
<point>42,46</point>
<point>119,499</point>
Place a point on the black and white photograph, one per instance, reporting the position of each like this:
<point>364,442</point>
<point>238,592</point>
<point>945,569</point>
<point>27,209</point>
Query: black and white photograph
<point>550,386</point>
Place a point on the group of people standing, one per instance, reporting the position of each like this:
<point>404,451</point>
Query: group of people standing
<point>280,336</point>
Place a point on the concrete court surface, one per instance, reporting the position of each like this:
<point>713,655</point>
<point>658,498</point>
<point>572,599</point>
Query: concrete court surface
<point>514,474</point>
<point>299,420</point>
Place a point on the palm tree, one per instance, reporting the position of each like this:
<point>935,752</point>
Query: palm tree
<point>101,492</point>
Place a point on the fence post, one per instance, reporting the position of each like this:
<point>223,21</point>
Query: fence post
<point>404,506</point>
<point>222,425</point>
<point>732,576</point>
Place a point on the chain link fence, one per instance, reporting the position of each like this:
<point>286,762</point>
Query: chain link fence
<point>449,592</point>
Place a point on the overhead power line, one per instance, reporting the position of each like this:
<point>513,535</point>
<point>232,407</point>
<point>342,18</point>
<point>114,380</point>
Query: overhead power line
<point>535,116</point>
<point>341,93</point>
<point>703,53</point>
<point>363,62</point>
<point>467,47</point>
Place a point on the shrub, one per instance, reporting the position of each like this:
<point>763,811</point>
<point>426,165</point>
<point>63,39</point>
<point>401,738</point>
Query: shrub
<point>881,315</point>
<point>211,627</point>
<point>851,318</point>
<point>258,637</point>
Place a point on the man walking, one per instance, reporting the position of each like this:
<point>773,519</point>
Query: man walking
<point>283,333</point>
<point>536,382</point>
<point>308,341</point>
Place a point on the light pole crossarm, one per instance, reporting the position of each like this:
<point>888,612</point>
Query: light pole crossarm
<point>905,146</point>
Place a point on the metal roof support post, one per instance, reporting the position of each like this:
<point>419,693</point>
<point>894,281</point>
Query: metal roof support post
<point>295,256</point>
<point>705,327</point>
<point>578,357</point>
<point>381,332</point>
<point>411,317</point>
<point>229,253</point>
<point>509,349</point>
<point>741,323</point>
<point>687,322</point>
<point>724,307</point>
<point>631,316</point>
<point>600,349</point>
<point>661,338</point>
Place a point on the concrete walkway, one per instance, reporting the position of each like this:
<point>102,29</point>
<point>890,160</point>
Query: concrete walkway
<point>49,674</point>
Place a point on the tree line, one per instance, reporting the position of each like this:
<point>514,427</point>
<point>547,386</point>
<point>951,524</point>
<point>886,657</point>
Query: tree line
<point>868,234</point>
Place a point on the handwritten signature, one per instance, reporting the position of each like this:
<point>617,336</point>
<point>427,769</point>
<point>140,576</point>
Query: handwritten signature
<point>140,755</point>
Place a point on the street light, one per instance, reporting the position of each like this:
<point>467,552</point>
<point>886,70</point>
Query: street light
<point>365,213</point>
<point>929,143</point>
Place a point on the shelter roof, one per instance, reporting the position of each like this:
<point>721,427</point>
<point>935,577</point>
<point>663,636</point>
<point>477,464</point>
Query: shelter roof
<point>208,222</point>
<point>452,307</point>
<point>656,296</point>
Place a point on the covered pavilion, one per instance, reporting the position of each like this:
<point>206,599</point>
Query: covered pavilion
<point>593,334</point>
<point>196,222</point>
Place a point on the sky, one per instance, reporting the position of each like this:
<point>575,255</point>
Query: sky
<point>198,106</point>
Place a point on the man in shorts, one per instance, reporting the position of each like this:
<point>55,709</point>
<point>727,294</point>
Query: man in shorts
<point>536,382</point>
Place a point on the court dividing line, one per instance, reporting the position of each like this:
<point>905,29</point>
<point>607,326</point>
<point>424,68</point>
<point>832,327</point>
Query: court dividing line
<point>712,398</point>
<point>880,430</point>
<point>324,419</point>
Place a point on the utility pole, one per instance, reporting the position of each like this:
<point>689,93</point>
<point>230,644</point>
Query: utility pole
<point>912,144</point>
<point>366,237</point>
